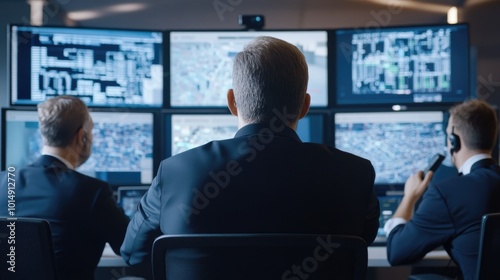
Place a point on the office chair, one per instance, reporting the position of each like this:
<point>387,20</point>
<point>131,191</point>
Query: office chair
<point>259,256</point>
<point>488,263</point>
<point>489,251</point>
<point>27,245</point>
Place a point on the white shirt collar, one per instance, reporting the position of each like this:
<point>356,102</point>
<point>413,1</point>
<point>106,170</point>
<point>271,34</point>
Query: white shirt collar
<point>69,165</point>
<point>466,167</point>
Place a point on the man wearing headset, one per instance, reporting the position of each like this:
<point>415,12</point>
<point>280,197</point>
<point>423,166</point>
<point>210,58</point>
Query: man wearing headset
<point>450,211</point>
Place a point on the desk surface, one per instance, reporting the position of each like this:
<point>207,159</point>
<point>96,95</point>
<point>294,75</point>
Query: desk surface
<point>377,257</point>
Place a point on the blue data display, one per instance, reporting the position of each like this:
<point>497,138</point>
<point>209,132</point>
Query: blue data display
<point>403,65</point>
<point>103,67</point>
<point>398,144</point>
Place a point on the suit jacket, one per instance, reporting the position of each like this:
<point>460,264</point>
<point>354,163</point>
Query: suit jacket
<point>81,210</point>
<point>264,180</point>
<point>449,215</point>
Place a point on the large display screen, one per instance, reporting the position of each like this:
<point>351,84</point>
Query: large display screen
<point>201,64</point>
<point>103,67</point>
<point>402,65</point>
<point>187,131</point>
<point>398,144</point>
<point>122,148</point>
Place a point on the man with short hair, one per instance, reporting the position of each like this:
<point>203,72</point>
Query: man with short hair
<point>264,180</point>
<point>81,210</point>
<point>450,212</point>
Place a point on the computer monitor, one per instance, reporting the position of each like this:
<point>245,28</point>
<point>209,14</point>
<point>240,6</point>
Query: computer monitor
<point>201,64</point>
<point>311,128</point>
<point>122,148</point>
<point>103,67</point>
<point>388,205</point>
<point>398,144</point>
<point>129,198</point>
<point>402,65</point>
<point>187,131</point>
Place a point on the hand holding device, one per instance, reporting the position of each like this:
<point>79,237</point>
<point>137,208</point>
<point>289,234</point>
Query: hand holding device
<point>436,160</point>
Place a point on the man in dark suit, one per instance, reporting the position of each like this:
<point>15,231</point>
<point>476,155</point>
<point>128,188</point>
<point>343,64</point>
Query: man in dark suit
<point>264,180</point>
<point>81,210</point>
<point>450,212</point>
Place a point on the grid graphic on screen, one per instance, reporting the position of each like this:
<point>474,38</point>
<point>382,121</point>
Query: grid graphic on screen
<point>401,62</point>
<point>201,64</point>
<point>403,65</point>
<point>102,67</point>
<point>397,143</point>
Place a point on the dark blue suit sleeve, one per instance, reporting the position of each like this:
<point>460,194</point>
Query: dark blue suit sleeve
<point>144,227</point>
<point>372,215</point>
<point>430,227</point>
<point>111,221</point>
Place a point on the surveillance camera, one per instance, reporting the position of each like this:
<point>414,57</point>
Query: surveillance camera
<point>251,21</point>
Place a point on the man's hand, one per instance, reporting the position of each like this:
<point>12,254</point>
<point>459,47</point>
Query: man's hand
<point>415,187</point>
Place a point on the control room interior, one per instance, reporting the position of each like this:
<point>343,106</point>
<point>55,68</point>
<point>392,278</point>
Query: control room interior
<point>481,17</point>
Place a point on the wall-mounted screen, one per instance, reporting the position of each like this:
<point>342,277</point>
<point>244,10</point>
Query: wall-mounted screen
<point>187,131</point>
<point>311,128</point>
<point>122,148</point>
<point>201,64</point>
<point>103,67</point>
<point>398,144</point>
<point>402,65</point>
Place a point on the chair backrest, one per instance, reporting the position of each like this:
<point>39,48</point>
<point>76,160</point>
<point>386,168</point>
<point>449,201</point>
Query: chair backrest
<point>259,256</point>
<point>27,245</point>
<point>488,265</point>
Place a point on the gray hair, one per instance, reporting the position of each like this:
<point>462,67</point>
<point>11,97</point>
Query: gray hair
<point>60,119</point>
<point>269,74</point>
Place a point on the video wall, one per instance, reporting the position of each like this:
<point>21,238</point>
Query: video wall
<point>122,150</point>
<point>156,93</point>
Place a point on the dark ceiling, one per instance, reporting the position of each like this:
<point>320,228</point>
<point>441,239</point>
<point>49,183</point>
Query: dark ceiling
<point>189,14</point>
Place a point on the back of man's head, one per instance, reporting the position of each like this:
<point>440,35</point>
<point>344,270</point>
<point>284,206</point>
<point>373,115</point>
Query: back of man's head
<point>477,122</point>
<point>268,75</point>
<point>60,119</point>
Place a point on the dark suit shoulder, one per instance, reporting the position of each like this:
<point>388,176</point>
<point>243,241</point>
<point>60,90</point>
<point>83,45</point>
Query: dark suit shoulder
<point>52,167</point>
<point>336,154</point>
<point>477,178</point>
<point>63,177</point>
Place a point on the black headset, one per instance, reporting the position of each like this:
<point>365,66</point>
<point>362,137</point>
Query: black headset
<point>454,141</point>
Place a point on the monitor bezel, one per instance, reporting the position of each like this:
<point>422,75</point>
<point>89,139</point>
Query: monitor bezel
<point>156,133</point>
<point>382,189</point>
<point>167,84</point>
<point>166,118</point>
<point>350,104</point>
<point>163,49</point>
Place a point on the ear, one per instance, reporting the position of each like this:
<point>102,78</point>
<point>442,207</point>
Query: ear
<point>231,102</point>
<point>81,136</point>
<point>305,106</point>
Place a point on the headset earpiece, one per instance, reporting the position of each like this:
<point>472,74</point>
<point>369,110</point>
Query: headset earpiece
<point>454,141</point>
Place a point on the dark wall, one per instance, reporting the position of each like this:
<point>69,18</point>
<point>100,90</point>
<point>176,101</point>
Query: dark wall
<point>19,12</point>
<point>9,12</point>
